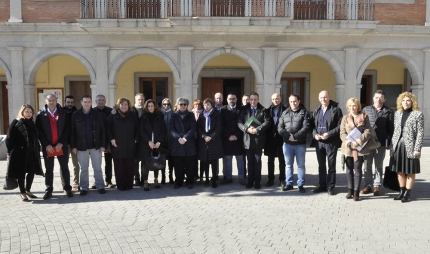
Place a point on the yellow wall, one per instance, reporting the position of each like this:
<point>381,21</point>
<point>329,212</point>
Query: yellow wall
<point>53,71</point>
<point>389,69</point>
<point>2,72</point>
<point>321,77</point>
<point>143,63</point>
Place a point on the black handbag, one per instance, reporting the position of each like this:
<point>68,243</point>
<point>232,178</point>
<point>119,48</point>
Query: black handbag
<point>390,177</point>
<point>154,163</point>
<point>10,184</point>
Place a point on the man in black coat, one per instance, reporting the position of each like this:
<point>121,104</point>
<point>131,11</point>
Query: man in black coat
<point>232,139</point>
<point>273,147</point>
<point>382,120</point>
<point>139,101</point>
<point>254,137</point>
<point>88,139</point>
<point>326,121</point>
<point>53,126</point>
<point>70,108</point>
<point>105,111</point>
<point>294,125</point>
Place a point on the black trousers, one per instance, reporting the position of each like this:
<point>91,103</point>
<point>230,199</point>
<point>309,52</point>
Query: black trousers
<point>28,181</point>
<point>124,173</point>
<point>204,167</point>
<point>184,165</point>
<point>108,167</point>
<point>271,165</point>
<point>254,166</point>
<point>326,151</point>
<point>354,172</point>
<point>64,167</point>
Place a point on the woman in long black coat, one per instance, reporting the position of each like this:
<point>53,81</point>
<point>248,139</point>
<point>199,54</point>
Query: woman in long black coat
<point>209,142</point>
<point>23,151</point>
<point>123,133</point>
<point>152,138</point>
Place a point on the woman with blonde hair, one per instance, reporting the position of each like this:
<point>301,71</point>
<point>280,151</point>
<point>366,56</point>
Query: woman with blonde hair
<point>122,132</point>
<point>23,151</point>
<point>407,141</point>
<point>355,131</point>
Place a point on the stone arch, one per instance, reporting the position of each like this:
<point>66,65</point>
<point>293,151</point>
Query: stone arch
<point>331,60</point>
<point>407,60</point>
<point>236,52</point>
<point>122,58</point>
<point>41,58</point>
<point>6,70</point>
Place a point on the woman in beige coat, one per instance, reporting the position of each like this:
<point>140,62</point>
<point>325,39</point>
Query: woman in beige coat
<point>354,148</point>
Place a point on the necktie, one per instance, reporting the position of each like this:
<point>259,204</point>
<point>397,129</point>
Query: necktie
<point>253,112</point>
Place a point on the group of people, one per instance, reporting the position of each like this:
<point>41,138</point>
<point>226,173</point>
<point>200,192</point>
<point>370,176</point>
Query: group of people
<point>207,131</point>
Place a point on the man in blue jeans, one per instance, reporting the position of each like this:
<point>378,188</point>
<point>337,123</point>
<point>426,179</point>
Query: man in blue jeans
<point>294,125</point>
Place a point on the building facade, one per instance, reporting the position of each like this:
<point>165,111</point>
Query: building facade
<point>194,48</point>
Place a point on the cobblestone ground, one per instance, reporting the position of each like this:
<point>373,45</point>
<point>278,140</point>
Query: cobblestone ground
<point>228,219</point>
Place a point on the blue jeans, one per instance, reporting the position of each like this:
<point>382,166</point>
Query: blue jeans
<point>96,162</point>
<point>228,165</point>
<point>299,151</point>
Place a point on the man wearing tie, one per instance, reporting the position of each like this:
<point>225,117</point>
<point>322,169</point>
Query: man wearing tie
<point>254,137</point>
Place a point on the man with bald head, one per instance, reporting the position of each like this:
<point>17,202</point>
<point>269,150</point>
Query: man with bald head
<point>274,142</point>
<point>326,126</point>
<point>53,126</point>
<point>218,101</point>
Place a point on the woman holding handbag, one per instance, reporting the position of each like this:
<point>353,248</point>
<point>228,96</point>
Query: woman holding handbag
<point>122,132</point>
<point>355,132</point>
<point>23,151</point>
<point>152,138</point>
<point>406,143</point>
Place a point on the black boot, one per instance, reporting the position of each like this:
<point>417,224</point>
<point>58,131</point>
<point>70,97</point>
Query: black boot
<point>349,194</point>
<point>402,192</point>
<point>406,196</point>
<point>356,195</point>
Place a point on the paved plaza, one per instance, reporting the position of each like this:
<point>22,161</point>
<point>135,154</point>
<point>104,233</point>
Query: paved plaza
<point>228,219</point>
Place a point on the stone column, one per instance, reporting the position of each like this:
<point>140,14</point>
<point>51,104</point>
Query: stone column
<point>15,11</point>
<point>340,96</point>
<point>102,75</point>
<point>424,92</point>
<point>18,95</point>
<point>94,94</point>
<point>427,13</point>
<point>185,66</point>
<point>352,89</point>
<point>269,75</point>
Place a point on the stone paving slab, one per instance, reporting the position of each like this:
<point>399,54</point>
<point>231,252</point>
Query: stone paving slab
<point>228,219</point>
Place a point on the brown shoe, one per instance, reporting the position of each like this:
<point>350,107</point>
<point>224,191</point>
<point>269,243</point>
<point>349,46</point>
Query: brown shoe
<point>376,191</point>
<point>366,190</point>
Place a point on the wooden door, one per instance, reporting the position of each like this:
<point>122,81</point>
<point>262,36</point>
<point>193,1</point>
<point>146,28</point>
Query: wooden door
<point>211,86</point>
<point>292,86</point>
<point>78,89</point>
<point>366,91</point>
<point>5,104</point>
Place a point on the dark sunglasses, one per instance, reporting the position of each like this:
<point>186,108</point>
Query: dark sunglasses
<point>166,104</point>
<point>182,104</point>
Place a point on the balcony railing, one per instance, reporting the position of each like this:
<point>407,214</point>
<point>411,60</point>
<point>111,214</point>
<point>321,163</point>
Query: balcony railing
<point>295,9</point>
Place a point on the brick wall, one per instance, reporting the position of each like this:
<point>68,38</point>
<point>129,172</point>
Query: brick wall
<point>401,14</point>
<point>4,10</point>
<point>50,11</point>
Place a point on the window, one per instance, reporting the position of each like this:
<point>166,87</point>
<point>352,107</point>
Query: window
<point>292,86</point>
<point>154,88</point>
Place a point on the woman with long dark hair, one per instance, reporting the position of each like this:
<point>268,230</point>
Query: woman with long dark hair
<point>152,138</point>
<point>23,151</point>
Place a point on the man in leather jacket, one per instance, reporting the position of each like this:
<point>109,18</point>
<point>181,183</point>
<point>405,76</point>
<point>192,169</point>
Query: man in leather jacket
<point>382,120</point>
